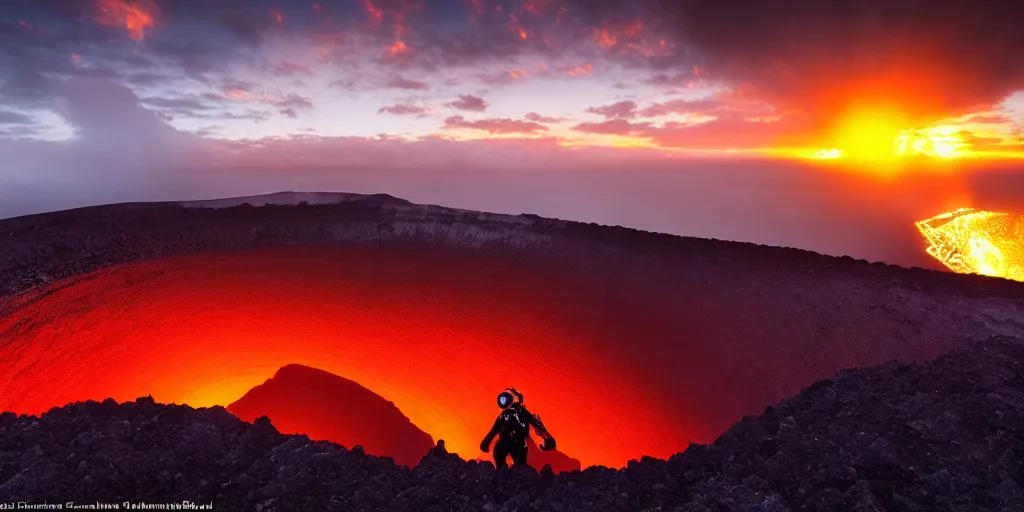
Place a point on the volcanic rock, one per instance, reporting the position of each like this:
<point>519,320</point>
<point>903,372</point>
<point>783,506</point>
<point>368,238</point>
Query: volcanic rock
<point>944,435</point>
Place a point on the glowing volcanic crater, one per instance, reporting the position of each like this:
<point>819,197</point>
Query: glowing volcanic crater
<point>204,329</point>
<point>972,241</point>
<point>627,345</point>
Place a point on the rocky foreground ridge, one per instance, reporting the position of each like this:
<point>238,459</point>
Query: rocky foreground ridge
<point>946,435</point>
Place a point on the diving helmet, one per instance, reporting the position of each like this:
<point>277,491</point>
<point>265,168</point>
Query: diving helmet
<point>508,397</point>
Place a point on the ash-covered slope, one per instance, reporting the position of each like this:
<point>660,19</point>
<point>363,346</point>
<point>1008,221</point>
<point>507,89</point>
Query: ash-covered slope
<point>946,435</point>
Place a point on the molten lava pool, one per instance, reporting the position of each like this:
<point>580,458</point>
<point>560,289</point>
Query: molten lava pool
<point>640,360</point>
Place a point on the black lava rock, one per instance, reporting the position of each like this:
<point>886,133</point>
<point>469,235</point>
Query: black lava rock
<point>946,435</point>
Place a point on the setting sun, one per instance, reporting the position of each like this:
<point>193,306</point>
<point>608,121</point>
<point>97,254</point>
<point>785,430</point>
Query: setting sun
<point>869,134</point>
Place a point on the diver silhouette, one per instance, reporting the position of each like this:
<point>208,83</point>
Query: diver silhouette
<point>513,428</point>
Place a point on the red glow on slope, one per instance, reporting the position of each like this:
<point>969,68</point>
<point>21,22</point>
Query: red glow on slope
<point>205,329</point>
<point>621,360</point>
<point>302,400</point>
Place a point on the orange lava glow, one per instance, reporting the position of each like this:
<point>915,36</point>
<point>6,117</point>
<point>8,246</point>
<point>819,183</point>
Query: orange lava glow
<point>135,16</point>
<point>204,330</point>
<point>973,241</point>
<point>617,362</point>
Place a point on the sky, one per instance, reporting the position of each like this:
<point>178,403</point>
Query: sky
<point>772,122</point>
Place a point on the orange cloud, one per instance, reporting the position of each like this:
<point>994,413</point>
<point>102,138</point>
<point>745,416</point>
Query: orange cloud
<point>397,48</point>
<point>585,69</point>
<point>136,16</point>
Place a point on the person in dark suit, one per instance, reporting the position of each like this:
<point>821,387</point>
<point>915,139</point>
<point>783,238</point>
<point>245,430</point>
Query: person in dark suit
<point>512,428</point>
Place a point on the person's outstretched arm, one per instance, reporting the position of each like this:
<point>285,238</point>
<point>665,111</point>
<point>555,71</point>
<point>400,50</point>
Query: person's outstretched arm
<point>485,445</point>
<point>542,431</point>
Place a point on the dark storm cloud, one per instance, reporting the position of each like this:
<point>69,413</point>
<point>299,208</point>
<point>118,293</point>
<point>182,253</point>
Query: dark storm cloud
<point>957,54</point>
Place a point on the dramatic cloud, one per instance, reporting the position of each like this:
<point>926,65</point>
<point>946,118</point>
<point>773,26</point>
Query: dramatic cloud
<point>291,69</point>
<point>399,82</point>
<point>405,110</point>
<point>705,106</point>
<point>103,99</point>
<point>613,127</point>
<point>620,110</point>
<point>537,118</point>
<point>470,103</point>
<point>495,125</point>
<point>930,58</point>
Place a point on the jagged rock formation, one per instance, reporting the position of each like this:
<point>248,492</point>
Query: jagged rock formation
<point>946,435</point>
